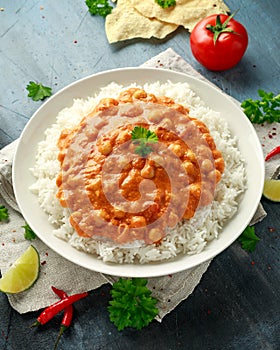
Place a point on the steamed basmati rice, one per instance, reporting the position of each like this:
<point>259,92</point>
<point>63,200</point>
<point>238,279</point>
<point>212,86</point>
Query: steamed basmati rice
<point>189,236</point>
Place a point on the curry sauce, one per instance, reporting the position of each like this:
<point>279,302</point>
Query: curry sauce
<point>115,195</point>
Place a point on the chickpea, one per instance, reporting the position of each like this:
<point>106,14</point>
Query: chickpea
<point>94,184</point>
<point>219,164</point>
<point>167,124</point>
<point>119,213</point>
<point>138,221</point>
<point>155,116</point>
<point>172,219</point>
<point>189,154</point>
<point>190,168</point>
<point>139,93</point>
<point>155,235</point>
<point>148,172</point>
<point>177,149</point>
<point>206,197</point>
<point>206,166</point>
<point>105,147</point>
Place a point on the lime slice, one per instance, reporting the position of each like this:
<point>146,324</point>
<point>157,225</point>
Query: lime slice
<point>271,190</point>
<point>23,273</point>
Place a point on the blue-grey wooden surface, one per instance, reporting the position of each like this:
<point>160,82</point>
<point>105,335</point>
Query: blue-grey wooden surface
<point>237,303</point>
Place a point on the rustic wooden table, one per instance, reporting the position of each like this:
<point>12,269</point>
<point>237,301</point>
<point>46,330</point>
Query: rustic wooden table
<point>236,305</point>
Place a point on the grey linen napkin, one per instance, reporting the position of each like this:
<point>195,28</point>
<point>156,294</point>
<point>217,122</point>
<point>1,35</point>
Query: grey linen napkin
<point>55,270</point>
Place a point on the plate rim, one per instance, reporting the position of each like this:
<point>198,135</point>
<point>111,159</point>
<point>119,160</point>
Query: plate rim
<point>117,269</point>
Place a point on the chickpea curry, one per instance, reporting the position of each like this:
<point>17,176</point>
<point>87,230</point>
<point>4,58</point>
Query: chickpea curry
<point>114,194</point>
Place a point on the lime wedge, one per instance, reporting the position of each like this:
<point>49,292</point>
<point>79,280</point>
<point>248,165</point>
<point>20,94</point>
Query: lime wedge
<point>271,190</point>
<point>23,273</point>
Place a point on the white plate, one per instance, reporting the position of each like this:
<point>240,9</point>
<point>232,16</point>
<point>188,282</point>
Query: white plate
<point>240,126</point>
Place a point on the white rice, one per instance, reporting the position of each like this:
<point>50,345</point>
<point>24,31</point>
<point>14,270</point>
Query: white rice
<point>189,236</point>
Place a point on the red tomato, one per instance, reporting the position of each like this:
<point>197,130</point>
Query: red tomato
<point>230,45</point>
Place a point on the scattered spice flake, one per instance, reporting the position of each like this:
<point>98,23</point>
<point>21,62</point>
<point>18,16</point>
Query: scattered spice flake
<point>252,263</point>
<point>209,312</point>
<point>43,263</point>
<point>75,41</point>
<point>269,268</point>
<point>3,244</point>
<point>47,254</point>
<point>170,276</point>
<point>4,335</point>
<point>271,229</point>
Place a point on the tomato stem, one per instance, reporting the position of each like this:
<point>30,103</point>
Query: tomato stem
<point>220,27</point>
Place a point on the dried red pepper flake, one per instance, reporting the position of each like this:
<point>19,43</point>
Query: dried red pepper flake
<point>43,263</point>
<point>252,263</point>
<point>271,229</point>
<point>209,312</point>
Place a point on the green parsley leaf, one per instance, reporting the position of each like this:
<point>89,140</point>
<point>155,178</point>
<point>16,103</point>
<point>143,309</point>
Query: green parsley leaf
<point>38,91</point>
<point>142,137</point>
<point>99,7</point>
<point>248,239</point>
<point>4,214</point>
<point>29,234</point>
<point>267,109</point>
<point>166,3</point>
<point>132,304</point>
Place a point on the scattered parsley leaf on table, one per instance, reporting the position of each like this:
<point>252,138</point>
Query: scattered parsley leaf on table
<point>248,239</point>
<point>99,7</point>
<point>267,109</point>
<point>4,214</point>
<point>29,234</point>
<point>142,136</point>
<point>166,3</point>
<point>38,91</point>
<point>132,304</point>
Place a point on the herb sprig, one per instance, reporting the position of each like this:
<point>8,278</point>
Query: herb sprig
<point>99,7</point>
<point>142,137</point>
<point>29,234</point>
<point>38,91</point>
<point>166,3</point>
<point>267,109</point>
<point>4,214</point>
<point>249,239</point>
<point>132,304</point>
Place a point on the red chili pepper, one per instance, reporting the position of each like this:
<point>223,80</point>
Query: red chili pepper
<point>55,308</point>
<point>272,153</point>
<point>67,316</point>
